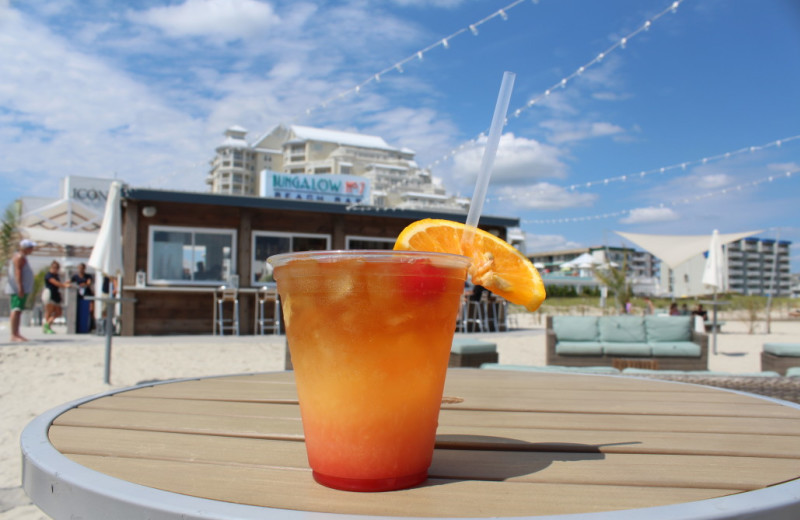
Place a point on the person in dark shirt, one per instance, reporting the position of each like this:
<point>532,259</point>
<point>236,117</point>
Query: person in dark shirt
<point>700,311</point>
<point>52,303</point>
<point>84,281</point>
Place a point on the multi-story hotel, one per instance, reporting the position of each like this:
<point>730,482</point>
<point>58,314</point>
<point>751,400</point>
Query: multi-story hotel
<point>642,267</point>
<point>756,266</point>
<point>394,180</point>
<point>640,264</point>
<point>759,266</point>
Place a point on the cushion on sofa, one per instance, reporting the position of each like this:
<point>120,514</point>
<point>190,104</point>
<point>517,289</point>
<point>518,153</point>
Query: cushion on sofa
<point>627,348</point>
<point>472,346</point>
<point>579,348</point>
<point>621,329</point>
<point>676,349</point>
<point>575,328</point>
<point>669,328</point>
<point>783,349</point>
<point>793,372</point>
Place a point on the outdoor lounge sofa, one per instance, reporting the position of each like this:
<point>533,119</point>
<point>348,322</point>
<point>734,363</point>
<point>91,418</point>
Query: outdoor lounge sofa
<point>658,342</point>
<point>780,357</point>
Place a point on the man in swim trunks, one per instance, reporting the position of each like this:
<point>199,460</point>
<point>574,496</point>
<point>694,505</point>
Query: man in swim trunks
<point>19,285</point>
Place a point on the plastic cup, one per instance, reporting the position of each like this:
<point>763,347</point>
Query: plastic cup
<point>370,335</point>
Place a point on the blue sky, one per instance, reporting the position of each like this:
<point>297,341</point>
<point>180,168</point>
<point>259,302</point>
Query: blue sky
<point>143,91</point>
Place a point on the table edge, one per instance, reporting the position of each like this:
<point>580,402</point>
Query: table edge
<point>50,479</point>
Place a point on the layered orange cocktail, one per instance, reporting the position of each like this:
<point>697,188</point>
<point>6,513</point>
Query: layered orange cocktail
<point>370,335</point>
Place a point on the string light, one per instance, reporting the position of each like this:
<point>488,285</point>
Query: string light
<point>663,169</point>
<point>684,165</point>
<point>562,83</point>
<point>418,55</point>
<point>684,201</point>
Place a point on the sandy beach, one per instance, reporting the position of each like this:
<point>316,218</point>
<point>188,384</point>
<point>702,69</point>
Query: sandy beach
<point>51,370</point>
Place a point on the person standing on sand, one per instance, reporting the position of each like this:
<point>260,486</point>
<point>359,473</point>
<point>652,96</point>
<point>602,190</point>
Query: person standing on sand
<point>52,309</point>
<point>19,285</point>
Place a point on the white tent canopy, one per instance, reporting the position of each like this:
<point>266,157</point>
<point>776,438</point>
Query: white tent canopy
<point>61,237</point>
<point>673,250</point>
<point>583,261</point>
<point>63,214</point>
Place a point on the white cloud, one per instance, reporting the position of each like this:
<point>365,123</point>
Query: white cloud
<point>225,20</point>
<point>518,160</point>
<point>649,215</point>
<point>423,130</point>
<point>76,115</point>
<point>535,243</point>
<point>542,196</point>
<point>783,167</point>
<point>713,181</point>
<point>611,96</point>
<point>428,3</point>
<point>568,131</point>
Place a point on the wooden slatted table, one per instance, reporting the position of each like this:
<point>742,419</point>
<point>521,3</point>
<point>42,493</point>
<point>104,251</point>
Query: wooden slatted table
<point>508,444</point>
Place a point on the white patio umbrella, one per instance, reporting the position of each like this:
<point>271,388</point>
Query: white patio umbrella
<point>715,275</point>
<point>106,255</point>
<point>716,270</point>
<point>106,259</point>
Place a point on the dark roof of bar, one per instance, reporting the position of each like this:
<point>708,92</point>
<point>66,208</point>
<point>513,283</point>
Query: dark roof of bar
<point>216,199</point>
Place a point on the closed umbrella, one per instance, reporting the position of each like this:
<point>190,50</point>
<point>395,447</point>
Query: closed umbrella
<point>715,275</point>
<point>106,258</point>
<point>106,255</point>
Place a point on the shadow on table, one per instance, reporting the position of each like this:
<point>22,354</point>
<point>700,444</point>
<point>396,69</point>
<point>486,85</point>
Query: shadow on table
<point>478,457</point>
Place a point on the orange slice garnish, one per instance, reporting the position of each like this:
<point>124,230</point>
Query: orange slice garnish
<point>496,264</point>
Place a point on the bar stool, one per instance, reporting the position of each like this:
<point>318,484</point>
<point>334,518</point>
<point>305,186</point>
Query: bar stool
<point>472,313</point>
<point>222,296</point>
<point>462,314</point>
<point>501,313</point>
<point>266,297</point>
<point>495,312</point>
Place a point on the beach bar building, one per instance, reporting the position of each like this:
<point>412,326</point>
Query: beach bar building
<point>180,247</point>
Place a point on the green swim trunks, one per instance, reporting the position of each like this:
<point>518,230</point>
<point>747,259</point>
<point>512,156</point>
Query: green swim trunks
<point>17,303</point>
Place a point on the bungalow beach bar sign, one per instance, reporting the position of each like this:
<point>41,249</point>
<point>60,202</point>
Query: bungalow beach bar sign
<point>347,189</point>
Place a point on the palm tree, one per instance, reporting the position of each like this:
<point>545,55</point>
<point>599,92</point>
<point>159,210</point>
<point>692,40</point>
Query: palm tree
<point>615,278</point>
<point>9,232</point>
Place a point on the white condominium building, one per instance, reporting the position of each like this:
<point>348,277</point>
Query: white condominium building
<point>396,181</point>
<point>759,266</point>
<point>756,266</point>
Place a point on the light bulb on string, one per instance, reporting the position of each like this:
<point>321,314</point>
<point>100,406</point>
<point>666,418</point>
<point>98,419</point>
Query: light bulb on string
<point>598,58</point>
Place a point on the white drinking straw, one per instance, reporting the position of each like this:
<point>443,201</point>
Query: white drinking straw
<point>489,153</point>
